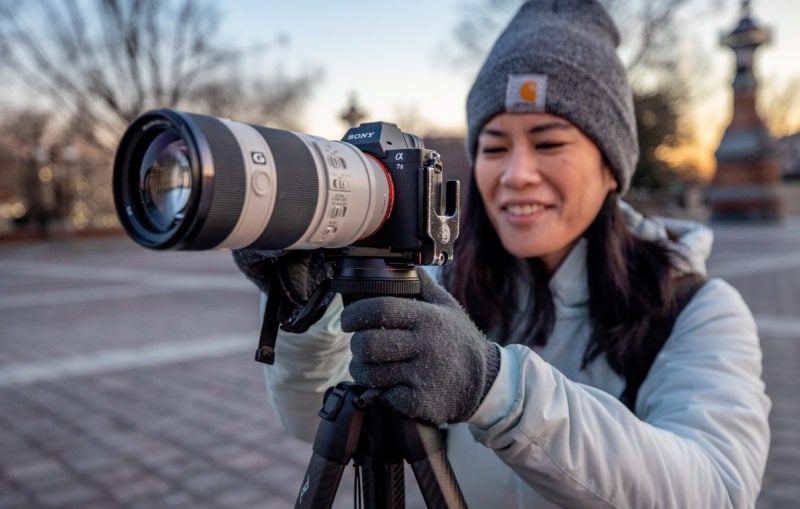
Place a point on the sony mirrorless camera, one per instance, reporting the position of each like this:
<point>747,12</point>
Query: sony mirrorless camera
<point>184,181</point>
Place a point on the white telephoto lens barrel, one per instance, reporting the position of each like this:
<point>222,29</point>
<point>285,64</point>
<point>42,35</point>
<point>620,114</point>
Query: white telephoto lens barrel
<point>353,192</point>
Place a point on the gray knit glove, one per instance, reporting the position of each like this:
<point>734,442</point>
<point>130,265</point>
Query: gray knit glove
<point>300,274</point>
<point>426,355</point>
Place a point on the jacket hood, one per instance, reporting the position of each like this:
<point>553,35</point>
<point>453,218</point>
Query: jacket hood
<point>690,239</point>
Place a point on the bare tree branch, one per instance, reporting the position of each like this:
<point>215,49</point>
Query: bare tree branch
<point>110,63</point>
<point>91,66</point>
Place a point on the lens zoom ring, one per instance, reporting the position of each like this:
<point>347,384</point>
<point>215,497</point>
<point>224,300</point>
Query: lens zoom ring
<point>297,189</point>
<point>229,187</point>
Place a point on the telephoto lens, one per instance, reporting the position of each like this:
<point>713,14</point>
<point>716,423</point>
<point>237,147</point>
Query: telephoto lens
<point>195,182</point>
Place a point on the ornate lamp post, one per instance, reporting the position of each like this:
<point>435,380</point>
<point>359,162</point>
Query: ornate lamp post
<point>746,184</point>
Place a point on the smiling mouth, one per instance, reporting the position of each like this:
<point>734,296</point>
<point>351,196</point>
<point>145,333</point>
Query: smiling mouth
<point>525,209</point>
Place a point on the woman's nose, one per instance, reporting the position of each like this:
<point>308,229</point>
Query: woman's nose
<point>522,170</point>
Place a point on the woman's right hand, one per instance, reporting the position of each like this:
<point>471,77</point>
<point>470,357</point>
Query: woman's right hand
<point>299,274</point>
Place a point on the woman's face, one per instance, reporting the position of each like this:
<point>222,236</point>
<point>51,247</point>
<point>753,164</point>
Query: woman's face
<point>542,182</point>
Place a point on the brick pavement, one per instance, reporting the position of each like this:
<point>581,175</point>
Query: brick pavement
<point>127,380</point>
<point>156,401</point>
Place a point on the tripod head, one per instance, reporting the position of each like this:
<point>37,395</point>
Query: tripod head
<point>354,277</point>
<point>365,277</point>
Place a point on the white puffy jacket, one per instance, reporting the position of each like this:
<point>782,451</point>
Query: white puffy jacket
<point>550,434</point>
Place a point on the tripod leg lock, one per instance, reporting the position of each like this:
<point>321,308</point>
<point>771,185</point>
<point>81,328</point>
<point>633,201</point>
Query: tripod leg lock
<point>333,402</point>
<point>340,428</point>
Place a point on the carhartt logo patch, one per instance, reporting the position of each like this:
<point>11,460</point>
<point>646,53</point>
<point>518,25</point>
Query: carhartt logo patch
<point>526,93</point>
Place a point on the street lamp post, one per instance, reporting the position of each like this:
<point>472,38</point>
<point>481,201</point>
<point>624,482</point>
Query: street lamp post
<point>746,185</point>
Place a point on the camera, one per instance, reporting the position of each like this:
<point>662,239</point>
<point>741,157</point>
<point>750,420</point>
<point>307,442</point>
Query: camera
<point>185,181</point>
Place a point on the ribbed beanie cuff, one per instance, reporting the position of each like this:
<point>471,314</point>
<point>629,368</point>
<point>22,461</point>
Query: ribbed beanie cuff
<point>566,48</point>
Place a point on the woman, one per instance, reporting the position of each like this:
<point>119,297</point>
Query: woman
<point>586,362</point>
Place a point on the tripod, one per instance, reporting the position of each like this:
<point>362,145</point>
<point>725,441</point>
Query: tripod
<point>354,427</point>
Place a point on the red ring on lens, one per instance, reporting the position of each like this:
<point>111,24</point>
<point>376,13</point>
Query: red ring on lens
<point>390,197</point>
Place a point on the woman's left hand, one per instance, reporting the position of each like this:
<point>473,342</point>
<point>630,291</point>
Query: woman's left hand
<point>429,359</point>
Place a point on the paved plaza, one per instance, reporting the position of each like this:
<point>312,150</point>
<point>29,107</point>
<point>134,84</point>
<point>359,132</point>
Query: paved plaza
<point>127,379</point>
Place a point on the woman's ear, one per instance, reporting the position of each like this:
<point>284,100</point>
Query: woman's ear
<point>611,180</point>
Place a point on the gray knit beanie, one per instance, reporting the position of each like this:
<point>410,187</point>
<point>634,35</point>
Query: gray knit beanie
<point>559,57</point>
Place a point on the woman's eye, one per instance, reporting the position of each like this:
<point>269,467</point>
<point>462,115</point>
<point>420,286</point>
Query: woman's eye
<point>492,150</point>
<point>550,145</point>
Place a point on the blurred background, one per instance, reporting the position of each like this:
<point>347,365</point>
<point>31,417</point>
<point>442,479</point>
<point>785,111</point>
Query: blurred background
<point>126,375</point>
<point>76,72</point>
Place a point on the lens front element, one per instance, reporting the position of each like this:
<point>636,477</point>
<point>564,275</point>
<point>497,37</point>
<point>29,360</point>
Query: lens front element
<point>165,180</point>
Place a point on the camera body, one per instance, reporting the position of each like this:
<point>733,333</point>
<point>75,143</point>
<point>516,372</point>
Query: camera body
<point>423,223</point>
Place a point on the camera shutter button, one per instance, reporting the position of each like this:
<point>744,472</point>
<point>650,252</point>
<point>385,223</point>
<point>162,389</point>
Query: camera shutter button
<point>260,182</point>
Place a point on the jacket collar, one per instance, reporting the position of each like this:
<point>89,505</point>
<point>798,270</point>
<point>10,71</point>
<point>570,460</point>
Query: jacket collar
<point>569,284</point>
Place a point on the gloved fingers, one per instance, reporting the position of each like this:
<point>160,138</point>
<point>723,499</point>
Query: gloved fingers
<point>382,376</point>
<point>256,265</point>
<point>404,399</point>
<point>301,273</point>
<point>254,255</point>
<point>431,291</point>
<point>293,271</point>
<point>383,346</point>
<point>384,313</point>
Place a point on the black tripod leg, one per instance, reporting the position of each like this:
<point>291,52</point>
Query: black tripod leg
<point>382,466</point>
<point>320,483</point>
<point>383,485</point>
<point>334,446</point>
<point>424,449</point>
<point>437,482</point>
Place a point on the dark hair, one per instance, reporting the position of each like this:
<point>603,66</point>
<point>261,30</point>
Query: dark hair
<point>633,288</point>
